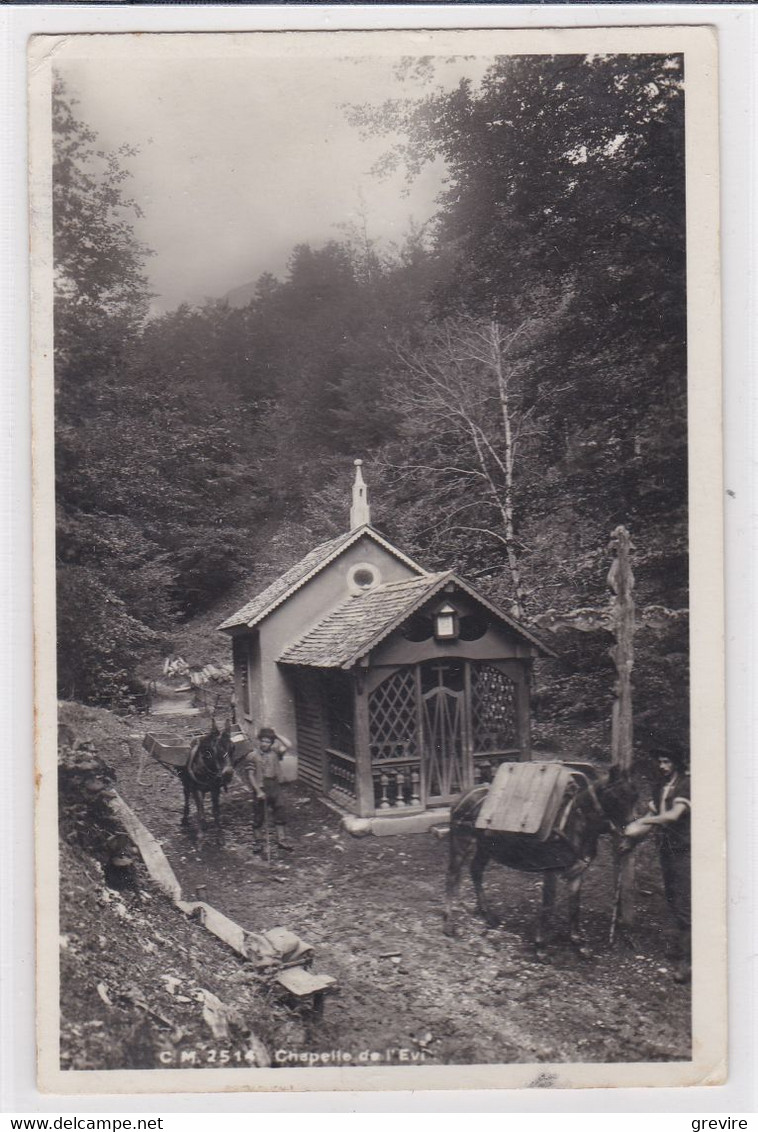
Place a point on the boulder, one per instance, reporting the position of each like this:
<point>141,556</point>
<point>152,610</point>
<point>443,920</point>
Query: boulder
<point>356,827</point>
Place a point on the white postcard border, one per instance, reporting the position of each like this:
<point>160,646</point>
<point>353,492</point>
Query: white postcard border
<point>707,605</point>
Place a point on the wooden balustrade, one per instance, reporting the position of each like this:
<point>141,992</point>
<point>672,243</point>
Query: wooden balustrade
<point>397,781</point>
<point>341,777</point>
<point>486,764</point>
<point>397,785</point>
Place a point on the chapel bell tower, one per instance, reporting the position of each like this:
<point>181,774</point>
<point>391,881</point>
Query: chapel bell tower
<point>360,512</point>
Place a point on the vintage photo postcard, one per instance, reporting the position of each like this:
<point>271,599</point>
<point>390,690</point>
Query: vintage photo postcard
<point>378,560</point>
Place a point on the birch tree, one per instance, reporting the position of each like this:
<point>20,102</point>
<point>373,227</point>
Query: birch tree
<point>461,395</point>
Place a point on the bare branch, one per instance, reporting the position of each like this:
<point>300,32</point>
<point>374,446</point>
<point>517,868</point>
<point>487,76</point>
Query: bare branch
<point>481,531</point>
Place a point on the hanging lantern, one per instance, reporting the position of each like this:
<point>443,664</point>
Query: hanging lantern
<point>446,623</point>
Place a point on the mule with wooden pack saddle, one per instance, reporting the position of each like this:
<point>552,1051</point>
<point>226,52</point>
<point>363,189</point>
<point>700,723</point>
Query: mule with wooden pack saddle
<point>205,766</point>
<point>536,817</point>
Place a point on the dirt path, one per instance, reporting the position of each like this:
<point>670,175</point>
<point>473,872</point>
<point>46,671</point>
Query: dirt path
<point>372,909</point>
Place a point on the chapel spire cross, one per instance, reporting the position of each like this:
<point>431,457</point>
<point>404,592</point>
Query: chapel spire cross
<point>360,513</point>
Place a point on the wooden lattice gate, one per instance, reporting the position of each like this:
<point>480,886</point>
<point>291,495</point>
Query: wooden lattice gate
<point>438,728</point>
<point>446,765</point>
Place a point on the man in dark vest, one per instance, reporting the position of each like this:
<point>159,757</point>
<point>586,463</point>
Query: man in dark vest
<point>669,818</point>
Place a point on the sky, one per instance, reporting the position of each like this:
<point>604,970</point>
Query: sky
<point>241,159</point>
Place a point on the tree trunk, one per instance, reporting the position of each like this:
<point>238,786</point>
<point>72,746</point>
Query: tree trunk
<point>507,508</point>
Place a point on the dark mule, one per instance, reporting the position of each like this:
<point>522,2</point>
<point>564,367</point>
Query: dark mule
<point>600,804</point>
<point>209,770</point>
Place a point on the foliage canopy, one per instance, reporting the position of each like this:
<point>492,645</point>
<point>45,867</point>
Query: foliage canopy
<point>188,443</point>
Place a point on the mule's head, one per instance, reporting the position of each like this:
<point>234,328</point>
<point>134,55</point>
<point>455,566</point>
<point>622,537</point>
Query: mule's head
<point>617,795</point>
<point>224,750</point>
<point>214,755</point>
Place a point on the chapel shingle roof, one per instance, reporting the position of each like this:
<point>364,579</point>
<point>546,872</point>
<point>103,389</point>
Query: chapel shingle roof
<point>280,589</point>
<point>363,619</point>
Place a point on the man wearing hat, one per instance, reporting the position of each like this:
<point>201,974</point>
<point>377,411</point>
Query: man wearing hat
<point>261,770</point>
<point>669,816</point>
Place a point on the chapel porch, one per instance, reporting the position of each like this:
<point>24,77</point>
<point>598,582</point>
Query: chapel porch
<point>409,738</point>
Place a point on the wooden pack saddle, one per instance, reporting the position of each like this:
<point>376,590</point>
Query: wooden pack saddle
<point>526,798</point>
<point>173,751</point>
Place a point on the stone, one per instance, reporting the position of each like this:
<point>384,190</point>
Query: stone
<point>356,827</point>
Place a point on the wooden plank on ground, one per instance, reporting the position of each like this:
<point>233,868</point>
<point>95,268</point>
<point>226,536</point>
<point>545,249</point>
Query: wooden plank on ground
<point>302,983</point>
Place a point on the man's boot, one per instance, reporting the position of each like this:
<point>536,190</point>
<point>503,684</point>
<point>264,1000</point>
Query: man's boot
<point>281,840</point>
<point>258,822</point>
<point>683,971</point>
<point>683,964</point>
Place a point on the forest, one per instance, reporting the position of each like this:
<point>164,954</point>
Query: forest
<point>513,375</point>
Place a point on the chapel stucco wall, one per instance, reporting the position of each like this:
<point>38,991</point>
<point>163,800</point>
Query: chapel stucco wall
<point>272,685</point>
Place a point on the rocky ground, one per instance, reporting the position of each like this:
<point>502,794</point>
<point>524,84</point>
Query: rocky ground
<point>135,970</point>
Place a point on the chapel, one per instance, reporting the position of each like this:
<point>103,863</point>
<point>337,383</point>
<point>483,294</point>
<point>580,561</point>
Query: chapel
<point>398,686</point>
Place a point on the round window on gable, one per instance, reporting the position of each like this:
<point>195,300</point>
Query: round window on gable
<point>362,577</point>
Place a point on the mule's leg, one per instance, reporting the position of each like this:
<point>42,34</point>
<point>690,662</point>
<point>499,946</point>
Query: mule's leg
<point>574,878</point>
<point>549,889</point>
<point>460,850</point>
<point>478,865</point>
<point>216,805</point>
<point>200,808</point>
<point>187,792</point>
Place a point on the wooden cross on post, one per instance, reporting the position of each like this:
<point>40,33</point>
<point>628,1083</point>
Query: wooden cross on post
<point>622,620</point>
<point>618,618</point>
<point>621,582</point>
<point>622,625</point>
